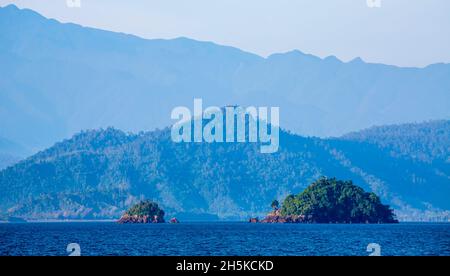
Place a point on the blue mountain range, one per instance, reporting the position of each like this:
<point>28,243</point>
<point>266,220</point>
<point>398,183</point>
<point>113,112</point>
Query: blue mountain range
<point>58,79</point>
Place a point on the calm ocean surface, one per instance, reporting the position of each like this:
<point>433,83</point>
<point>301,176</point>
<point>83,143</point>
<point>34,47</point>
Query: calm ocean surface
<point>227,238</point>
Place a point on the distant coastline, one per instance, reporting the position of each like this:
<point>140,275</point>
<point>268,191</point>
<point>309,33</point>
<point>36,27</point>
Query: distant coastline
<point>50,221</point>
<point>59,221</point>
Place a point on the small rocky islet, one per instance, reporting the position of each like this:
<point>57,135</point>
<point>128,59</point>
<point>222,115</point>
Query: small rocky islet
<point>145,211</point>
<point>329,200</point>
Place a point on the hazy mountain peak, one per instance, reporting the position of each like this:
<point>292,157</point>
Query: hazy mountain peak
<point>332,58</point>
<point>13,10</point>
<point>9,8</point>
<point>357,60</point>
<point>294,55</point>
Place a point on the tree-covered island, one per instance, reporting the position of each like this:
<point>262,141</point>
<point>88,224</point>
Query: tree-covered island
<point>145,211</point>
<point>329,200</point>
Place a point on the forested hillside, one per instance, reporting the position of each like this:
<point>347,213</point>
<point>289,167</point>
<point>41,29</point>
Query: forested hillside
<point>100,173</point>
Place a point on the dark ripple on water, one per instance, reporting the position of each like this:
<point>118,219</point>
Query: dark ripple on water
<point>236,239</point>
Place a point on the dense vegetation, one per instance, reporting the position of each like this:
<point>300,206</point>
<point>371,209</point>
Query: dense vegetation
<point>146,208</point>
<point>331,200</point>
<point>100,173</point>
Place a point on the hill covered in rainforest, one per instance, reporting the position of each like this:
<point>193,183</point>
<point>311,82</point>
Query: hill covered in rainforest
<point>100,173</point>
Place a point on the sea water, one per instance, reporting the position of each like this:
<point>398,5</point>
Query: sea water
<point>224,238</point>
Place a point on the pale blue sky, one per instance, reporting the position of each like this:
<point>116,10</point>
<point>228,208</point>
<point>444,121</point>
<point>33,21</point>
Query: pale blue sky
<point>401,32</point>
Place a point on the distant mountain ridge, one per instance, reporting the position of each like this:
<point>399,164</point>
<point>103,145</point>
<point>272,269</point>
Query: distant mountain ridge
<point>63,78</point>
<point>426,142</point>
<point>100,173</point>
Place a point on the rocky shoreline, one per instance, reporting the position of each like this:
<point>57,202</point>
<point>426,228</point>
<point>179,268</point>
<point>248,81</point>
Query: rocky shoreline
<point>276,217</point>
<point>139,219</point>
<point>283,219</point>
